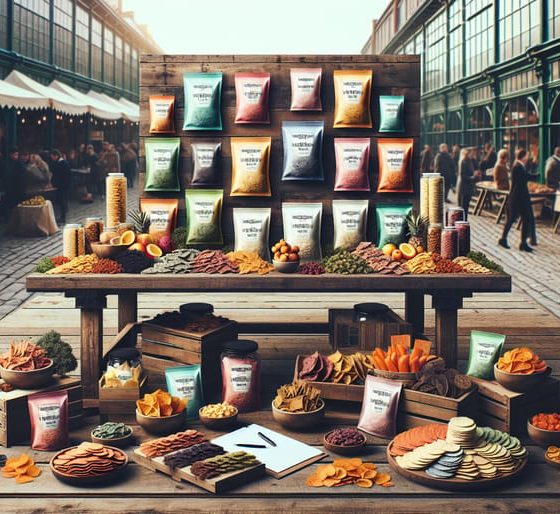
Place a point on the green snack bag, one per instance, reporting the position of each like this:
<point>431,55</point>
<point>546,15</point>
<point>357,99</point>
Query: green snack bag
<point>162,158</point>
<point>391,113</point>
<point>186,382</point>
<point>391,223</point>
<point>203,96</point>
<point>484,352</point>
<point>204,216</point>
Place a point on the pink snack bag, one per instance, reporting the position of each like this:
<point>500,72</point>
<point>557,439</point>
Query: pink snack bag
<point>380,406</point>
<point>306,89</point>
<point>48,413</point>
<point>352,164</point>
<point>252,98</point>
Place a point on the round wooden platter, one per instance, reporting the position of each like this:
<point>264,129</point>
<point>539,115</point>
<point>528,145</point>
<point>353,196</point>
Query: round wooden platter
<point>454,484</point>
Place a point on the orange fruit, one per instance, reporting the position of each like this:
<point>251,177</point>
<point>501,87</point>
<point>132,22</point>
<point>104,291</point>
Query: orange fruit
<point>144,239</point>
<point>396,255</point>
<point>153,251</point>
<point>138,246</point>
<point>407,250</point>
<point>283,258</point>
<point>128,237</point>
<point>293,257</point>
<point>389,248</point>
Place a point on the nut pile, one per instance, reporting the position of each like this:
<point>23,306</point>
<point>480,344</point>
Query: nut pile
<point>216,466</point>
<point>107,266</point>
<point>470,266</point>
<point>250,262</point>
<point>188,456</point>
<point>346,263</point>
<point>213,261</point>
<point>178,261</point>
<point>378,261</point>
<point>164,445</point>
<point>311,268</point>
<point>80,264</point>
<point>345,437</point>
<point>218,410</point>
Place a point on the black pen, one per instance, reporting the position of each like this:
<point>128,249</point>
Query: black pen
<point>251,445</point>
<point>267,439</point>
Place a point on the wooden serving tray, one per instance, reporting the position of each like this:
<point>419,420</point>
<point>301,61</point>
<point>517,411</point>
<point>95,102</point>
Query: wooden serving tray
<point>214,485</point>
<point>454,484</point>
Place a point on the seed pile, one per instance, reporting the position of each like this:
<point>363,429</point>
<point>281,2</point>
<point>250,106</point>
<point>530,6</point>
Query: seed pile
<point>250,262</point>
<point>133,261</point>
<point>164,445</point>
<point>470,266</point>
<point>422,263</point>
<point>186,457</point>
<point>111,430</point>
<point>346,263</point>
<point>311,268</point>
<point>80,264</point>
<point>178,261</point>
<point>107,266</point>
<point>213,261</point>
<point>378,261</point>
<point>216,466</point>
<point>88,459</point>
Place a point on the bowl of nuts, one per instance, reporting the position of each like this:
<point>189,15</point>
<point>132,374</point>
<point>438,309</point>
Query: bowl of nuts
<point>218,416</point>
<point>345,441</point>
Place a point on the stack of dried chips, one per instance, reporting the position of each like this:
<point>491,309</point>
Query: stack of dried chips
<point>221,464</point>
<point>88,459</point>
<point>297,397</point>
<point>171,443</point>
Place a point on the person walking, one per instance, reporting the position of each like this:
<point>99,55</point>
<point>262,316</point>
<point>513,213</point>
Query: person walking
<point>501,171</point>
<point>37,177</point>
<point>61,177</point>
<point>519,202</point>
<point>552,169</point>
<point>129,162</point>
<point>426,159</point>
<point>465,181</point>
<point>445,165</point>
<point>488,160</point>
<point>14,179</point>
<point>102,164</point>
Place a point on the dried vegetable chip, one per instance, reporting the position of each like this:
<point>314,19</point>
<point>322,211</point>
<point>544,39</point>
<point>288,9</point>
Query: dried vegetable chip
<point>435,378</point>
<point>297,397</point>
<point>469,266</point>
<point>113,376</point>
<point>418,436</point>
<point>378,261</point>
<point>171,443</point>
<point>521,361</point>
<point>24,356</point>
<point>160,404</point>
<point>111,430</point>
<point>88,459</point>
<point>178,261</point>
<point>400,358</point>
<point>187,456</point>
<point>80,264</point>
<point>348,471</point>
<point>347,369</point>
<point>250,262</point>
<point>221,464</point>
<point>22,468</point>
<point>213,261</point>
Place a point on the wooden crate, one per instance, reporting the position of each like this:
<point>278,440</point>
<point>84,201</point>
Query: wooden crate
<point>164,347</point>
<point>507,410</point>
<point>119,403</point>
<point>15,425</point>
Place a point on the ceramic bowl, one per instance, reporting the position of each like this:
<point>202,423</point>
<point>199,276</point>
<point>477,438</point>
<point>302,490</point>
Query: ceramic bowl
<point>299,420</point>
<point>33,379</point>
<point>119,442</point>
<point>164,425</point>
<point>219,423</point>
<point>286,267</point>
<point>518,382</point>
<point>107,251</point>
<point>344,450</point>
<point>543,437</point>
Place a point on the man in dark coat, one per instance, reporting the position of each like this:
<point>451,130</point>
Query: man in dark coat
<point>552,169</point>
<point>61,177</point>
<point>465,181</point>
<point>13,179</point>
<point>519,202</point>
<point>445,165</point>
<point>426,159</point>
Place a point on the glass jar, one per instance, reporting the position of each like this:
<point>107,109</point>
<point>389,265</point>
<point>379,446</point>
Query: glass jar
<point>73,240</point>
<point>436,188</point>
<point>241,375</point>
<point>453,215</point>
<point>449,243</point>
<point>124,365</point>
<point>463,237</point>
<point>92,231</point>
<point>424,195</point>
<point>116,199</point>
<point>434,237</point>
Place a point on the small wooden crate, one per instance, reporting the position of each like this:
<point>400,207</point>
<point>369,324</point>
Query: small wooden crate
<point>15,425</point>
<point>507,410</point>
<point>164,347</point>
<point>119,403</point>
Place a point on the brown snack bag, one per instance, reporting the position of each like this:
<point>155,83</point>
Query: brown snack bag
<point>163,215</point>
<point>352,90</point>
<point>162,114</point>
<point>395,165</point>
<point>250,159</point>
<point>380,406</point>
<point>48,413</point>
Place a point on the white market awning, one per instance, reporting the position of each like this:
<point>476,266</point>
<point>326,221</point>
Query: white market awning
<point>14,96</point>
<point>59,101</point>
<point>135,108</point>
<point>96,107</point>
<point>129,113</point>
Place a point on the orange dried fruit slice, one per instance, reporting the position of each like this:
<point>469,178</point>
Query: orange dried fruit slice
<point>364,482</point>
<point>340,474</point>
<point>33,471</point>
<point>382,478</point>
<point>369,473</point>
<point>128,237</point>
<point>330,482</point>
<point>314,481</point>
<point>24,479</point>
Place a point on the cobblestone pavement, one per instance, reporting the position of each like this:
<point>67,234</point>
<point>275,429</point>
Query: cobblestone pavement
<point>18,255</point>
<point>536,274</point>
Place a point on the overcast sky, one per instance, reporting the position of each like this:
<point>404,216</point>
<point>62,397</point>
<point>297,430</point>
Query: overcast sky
<point>258,26</point>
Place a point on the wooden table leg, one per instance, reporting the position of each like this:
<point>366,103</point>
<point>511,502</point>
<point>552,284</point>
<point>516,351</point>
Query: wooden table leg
<point>91,307</point>
<point>501,211</point>
<point>128,308</point>
<point>414,311</point>
<point>446,306</point>
<point>479,202</point>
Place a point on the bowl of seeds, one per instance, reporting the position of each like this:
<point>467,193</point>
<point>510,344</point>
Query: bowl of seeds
<point>114,434</point>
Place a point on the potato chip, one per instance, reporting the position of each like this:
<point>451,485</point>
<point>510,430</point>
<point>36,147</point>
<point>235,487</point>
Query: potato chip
<point>521,361</point>
<point>299,396</point>
<point>160,404</point>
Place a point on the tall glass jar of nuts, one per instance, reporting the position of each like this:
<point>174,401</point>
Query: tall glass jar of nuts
<point>73,240</point>
<point>116,199</point>
<point>92,229</point>
<point>434,237</point>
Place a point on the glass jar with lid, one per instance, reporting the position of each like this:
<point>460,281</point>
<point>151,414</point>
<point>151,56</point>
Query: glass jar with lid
<point>449,243</point>
<point>124,365</point>
<point>73,240</point>
<point>434,237</point>
<point>241,374</point>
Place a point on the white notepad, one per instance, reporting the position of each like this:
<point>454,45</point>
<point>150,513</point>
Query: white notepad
<point>287,456</point>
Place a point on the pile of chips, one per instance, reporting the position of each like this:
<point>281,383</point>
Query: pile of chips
<point>22,468</point>
<point>171,443</point>
<point>416,437</point>
<point>160,404</point>
<point>88,460</point>
<point>221,464</point>
<point>521,361</point>
<point>213,261</point>
<point>250,262</point>
<point>435,378</point>
<point>348,471</point>
<point>297,397</point>
<point>111,376</point>
<point>337,368</point>
<point>553,453</point>
<point>24,356</point>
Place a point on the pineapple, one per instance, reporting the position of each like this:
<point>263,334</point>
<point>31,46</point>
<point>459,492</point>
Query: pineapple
<point>141,222</point>
<point>417,230</point>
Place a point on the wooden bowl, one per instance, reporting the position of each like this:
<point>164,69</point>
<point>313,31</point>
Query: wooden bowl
<point>106,478</point>
<point>299,420</point>
<point>219,423</point>
<point>164,425</point>
<point>33,379</point>
<point>542,437</point>
<point>107,251</point>
<point>551,462</point>
<point>286,267</point>
<point>119,442</point>
<point>405,378</point>
<point>518,382</point>
<point>344,450</point>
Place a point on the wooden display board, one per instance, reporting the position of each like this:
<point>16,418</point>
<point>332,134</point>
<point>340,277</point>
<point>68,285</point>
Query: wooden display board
<point>392,75</point>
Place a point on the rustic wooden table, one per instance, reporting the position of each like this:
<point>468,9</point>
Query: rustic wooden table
<point>90,291</point>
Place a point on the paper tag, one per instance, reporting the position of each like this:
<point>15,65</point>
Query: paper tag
<point>241,378</point>
<point>49,416</point>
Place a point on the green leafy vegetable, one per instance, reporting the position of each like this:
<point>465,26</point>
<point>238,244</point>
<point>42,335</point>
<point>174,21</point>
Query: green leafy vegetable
<point>59,351</point>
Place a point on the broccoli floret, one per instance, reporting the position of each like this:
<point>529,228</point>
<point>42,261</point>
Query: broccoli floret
<point>59,351</point>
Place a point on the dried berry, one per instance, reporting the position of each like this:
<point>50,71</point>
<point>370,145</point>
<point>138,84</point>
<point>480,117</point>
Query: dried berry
<point>311,268</point>
<point>59,260</point>
<point>345,437</point>
<point>107,266</point>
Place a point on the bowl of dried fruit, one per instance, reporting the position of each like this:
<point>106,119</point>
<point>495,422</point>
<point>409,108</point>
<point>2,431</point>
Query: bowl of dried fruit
<point>544,429</point>
<point>345,441</point>
<point>285,257</point>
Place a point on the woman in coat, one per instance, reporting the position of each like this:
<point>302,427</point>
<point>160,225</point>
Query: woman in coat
<point>465,181</point>
<point>501,171</point>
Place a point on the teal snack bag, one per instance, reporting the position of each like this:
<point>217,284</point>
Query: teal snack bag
<point>162,159</point>
<point>484,352</point>
<point>203,98</point>
<point>186,382</point>
<point>391,223</point>
<point>391,113</point>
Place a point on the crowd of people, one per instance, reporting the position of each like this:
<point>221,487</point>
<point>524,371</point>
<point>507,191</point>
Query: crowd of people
<point>463,167</point>
<point>49,173</point>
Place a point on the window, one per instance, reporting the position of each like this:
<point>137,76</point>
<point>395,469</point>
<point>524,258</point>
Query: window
<point>455,15</point>
<point>109,56</point>
<point>520,81</point>
<point>554,128</point>
<point>31,28</point>
<point>555,71</point>
<point>553,20</point>
<point>454,128</point>
<point>127,60</point>
<point>401,14</point>
<point>3,23</point>
<point>383,32</point>
<point>118,61</point>
<point>519,26</point>
<point>433,130</point>
<point>82,41</point>
<point>480,126</point>
<point>96,45</point>
<point>134,72</point>
<point>63,33</point>
<point>479,35</point>
<point>435,53</point>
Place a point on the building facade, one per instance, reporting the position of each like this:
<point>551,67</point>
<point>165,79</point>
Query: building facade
<point>87,44</point>
<point>490,69</point>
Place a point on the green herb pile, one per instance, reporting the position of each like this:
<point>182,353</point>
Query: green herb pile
<point>44,265</point>
<point>481,259</point>
<point>346,263</point>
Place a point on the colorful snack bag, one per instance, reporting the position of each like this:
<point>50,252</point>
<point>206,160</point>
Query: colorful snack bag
<point>391,113</point>
<point>302,227</point>
<point>306,89</point>
<point>380,406</point>
<point>352,164</point>
<point>206,158</point>
<point>203,97</point>
<point>252,98</point>
<point>303,150</point>
<point>185,382</point>
<point>484,352</point>
<point>352,90</point>
<point>163,216</point>
<point>250,160</point>
<point>204,216</point>
<point>395,165</point>
<point>391,224</point>
<point>48,413</point>
<point>162,114</point>
<point>251,228</point>
<point>349,219</point>
<point>162,159</point>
